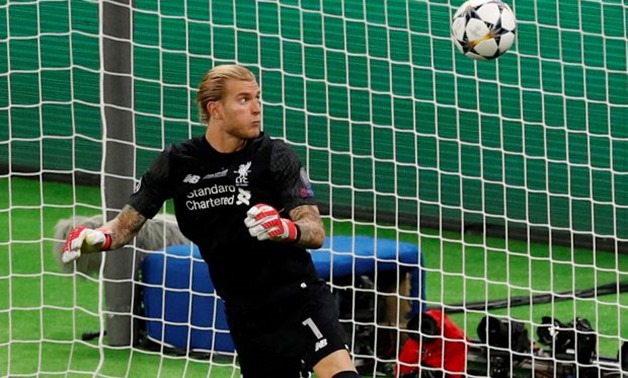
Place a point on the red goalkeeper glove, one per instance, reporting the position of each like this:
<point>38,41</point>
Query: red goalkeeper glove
<point>85,240</point>
<point>265,223</point>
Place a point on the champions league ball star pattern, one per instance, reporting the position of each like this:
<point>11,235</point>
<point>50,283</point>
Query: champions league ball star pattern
<point>483,29</point>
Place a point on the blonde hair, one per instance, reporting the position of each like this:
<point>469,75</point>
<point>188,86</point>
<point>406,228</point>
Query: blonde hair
<point>212,86</point>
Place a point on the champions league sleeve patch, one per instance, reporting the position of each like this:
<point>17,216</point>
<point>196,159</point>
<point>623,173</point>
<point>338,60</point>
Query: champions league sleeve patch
<point>305,191</point>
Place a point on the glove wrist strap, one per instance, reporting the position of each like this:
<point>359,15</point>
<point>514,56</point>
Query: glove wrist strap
<point>107,244</point>
<point>108,239</point>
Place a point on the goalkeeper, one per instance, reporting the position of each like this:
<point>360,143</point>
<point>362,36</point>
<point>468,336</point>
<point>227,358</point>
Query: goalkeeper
<point>244,199</point>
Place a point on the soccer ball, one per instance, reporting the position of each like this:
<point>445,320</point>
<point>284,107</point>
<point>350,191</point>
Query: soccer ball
<point>483,29</point>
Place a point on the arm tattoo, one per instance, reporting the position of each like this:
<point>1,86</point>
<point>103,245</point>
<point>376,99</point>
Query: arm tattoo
<point>125,226</point>
<point>309,220</point>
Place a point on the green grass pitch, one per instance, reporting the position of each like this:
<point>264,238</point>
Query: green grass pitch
<point>43,313</point>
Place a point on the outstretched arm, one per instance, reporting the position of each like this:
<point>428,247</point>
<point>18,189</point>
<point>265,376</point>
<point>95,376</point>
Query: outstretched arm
<point>124,226</point>
<point>113,234</point>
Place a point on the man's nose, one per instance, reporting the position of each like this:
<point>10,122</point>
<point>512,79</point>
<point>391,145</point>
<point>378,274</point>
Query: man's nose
<point>256,106</point>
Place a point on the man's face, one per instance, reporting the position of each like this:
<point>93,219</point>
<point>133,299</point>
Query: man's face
<point>241,109</point>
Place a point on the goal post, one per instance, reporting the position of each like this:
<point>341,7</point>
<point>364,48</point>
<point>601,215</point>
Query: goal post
<point>508,176</point>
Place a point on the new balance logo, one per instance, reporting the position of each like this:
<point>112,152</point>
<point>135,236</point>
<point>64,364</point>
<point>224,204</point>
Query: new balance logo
<point>191,179</point>
<point>320,344</point>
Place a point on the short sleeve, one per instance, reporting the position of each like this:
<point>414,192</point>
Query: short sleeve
<point>290,177</point>
<point>154,188</point>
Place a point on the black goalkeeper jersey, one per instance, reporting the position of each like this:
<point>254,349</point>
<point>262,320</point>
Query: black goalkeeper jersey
<point>212,192</point>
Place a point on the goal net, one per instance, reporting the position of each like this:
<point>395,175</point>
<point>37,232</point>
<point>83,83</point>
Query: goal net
<point>478,188</point>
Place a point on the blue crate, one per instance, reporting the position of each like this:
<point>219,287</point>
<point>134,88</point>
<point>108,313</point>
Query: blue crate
<point>174,320</point>
<point>200,324</point>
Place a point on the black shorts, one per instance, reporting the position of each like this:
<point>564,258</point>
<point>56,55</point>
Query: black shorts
<point>289,338</point>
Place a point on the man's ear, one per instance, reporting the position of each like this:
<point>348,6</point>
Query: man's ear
<point>214,109</point>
